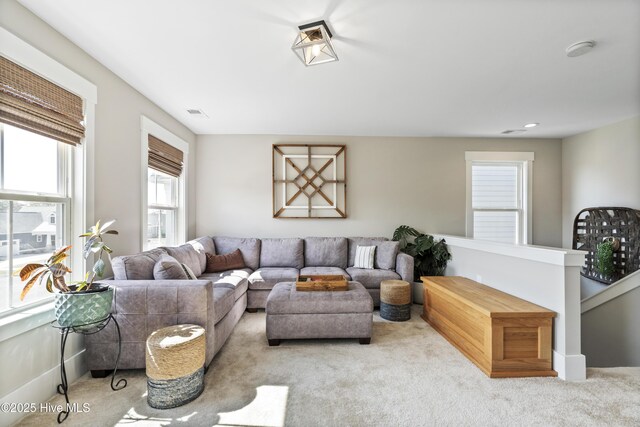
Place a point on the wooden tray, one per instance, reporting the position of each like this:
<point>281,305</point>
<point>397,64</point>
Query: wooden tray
<point>322,282</point>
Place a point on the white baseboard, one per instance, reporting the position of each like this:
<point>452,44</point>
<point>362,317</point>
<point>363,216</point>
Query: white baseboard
<point>43,387</point>
<point>570,367</point>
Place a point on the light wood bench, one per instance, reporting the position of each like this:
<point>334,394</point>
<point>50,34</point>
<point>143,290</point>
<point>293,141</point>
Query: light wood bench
<point>503,335</point>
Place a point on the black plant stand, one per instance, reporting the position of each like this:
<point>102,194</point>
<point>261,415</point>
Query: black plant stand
<point>87,329</point>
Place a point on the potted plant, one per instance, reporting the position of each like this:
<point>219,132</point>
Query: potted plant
<point>79,303</point>
<point>430,256</point>
<point>604,258</point>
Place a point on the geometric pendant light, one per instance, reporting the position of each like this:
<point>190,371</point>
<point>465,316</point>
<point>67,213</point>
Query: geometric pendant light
<point>313,44</point>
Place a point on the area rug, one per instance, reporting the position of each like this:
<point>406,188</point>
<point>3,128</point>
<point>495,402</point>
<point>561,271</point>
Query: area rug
<point>408,376</point>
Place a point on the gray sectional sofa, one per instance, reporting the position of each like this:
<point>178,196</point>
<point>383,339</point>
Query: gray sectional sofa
<point>217,301</point>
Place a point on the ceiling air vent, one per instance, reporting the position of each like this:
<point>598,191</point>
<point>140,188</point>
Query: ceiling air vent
<point>197,113</point>
<point>507,132</point>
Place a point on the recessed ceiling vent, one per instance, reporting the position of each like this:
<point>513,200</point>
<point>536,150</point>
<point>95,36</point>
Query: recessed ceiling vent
<point>508,131</point>
<point>197,113</point>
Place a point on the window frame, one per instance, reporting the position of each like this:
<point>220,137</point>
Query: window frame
<point>524,232</point>
<point>148,126</point>
<point>79,178</point>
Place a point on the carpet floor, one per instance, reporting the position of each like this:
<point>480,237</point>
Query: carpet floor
<point>408,376</point>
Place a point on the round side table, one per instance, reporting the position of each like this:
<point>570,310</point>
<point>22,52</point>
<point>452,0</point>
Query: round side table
<point>395,300</point>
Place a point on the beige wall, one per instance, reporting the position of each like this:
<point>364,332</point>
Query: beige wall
<point>30,359</point>
<point>600,168</point>
<point>117,174</point>
<point>391,181</point>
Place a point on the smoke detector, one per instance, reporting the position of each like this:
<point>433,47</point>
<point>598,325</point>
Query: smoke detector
<point>580,48</point>
<point>510,131</point>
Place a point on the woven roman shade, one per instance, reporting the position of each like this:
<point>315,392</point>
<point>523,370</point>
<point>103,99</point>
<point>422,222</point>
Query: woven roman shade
<point>164,157</point>
<point>33,103</point>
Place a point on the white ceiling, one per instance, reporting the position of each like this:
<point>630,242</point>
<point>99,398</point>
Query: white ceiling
<point>407,67</point>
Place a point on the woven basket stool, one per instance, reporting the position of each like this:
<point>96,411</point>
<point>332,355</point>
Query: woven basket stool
<point>175,365</point>
<point>395,300</point>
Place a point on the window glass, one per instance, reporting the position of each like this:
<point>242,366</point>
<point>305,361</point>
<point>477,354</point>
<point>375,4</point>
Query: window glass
<point>161,228</point>
<point>5,247</point>
<point>31,226</point>
<point>30,161</point>
<point>496,226</point>
<point>495,186</point>
<point>30,220</point>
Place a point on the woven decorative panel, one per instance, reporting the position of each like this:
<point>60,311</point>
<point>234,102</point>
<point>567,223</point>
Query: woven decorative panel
<point>592,225</point>
<point>309,181</point>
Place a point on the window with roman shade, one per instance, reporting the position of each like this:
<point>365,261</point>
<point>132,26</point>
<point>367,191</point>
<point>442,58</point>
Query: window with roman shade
<point>40,124</point>
<point>33,103</point>
<point>165,190</point>
<point>164,157</point>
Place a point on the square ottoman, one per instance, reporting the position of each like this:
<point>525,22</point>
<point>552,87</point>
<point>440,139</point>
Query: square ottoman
<point>302,315</point>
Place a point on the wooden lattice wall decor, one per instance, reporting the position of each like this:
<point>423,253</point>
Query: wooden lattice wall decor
<point>309,181</point>
<point>592,225</point>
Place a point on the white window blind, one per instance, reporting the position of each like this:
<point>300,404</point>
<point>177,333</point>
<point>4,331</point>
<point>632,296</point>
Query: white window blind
<point>496,198</point>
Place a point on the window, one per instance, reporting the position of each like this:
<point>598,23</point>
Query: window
<point>499,196</point>
<point>164,195</point>
<point>46,140</point>
<point>27,202</point>
<point>162,199</point>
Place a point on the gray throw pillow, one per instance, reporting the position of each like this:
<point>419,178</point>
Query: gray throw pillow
<point>168,268</point>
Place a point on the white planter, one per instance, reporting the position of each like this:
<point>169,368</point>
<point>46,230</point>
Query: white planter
<point>418,293</point>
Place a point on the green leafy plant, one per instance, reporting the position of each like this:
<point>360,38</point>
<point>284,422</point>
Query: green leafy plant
<point>604,259</point>
<point>52,272</point>
<point>96,245</point>
<point>430,256</point>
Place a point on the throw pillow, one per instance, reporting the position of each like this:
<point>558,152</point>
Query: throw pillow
<point>365,256</point>
<point>168,268</point>
<point>230,261</point>
<point>189,272</point>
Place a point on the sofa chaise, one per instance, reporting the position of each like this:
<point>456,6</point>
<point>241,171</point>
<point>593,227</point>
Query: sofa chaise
<point>217,300</point>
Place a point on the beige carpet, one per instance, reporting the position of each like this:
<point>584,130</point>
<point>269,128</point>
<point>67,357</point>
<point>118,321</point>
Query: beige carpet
<point>408,376</point>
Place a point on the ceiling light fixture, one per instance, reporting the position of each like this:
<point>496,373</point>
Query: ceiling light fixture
<point>313,44</point>
<point>531,125</point>
<point>580,48</point>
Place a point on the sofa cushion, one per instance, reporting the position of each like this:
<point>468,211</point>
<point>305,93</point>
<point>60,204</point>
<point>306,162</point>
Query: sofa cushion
<point>231,261</point>
<point>203,246</point>
<point>250,249</point>
<point>223,300</point>
<point>313,271</point>
<point>238,285</point>
<point>242,273</point>
<point>266,278</point>
<point>386,251</point>
<point>186,254</point>
<point>168,268</point>
<point>136,267</point>
<point>282,253</point>
<point>371,279</point>
<point>232,279</point>
<point>325,252</point>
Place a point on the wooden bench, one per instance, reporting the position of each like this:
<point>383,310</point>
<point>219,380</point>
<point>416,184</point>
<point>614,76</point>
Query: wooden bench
<point>503,335</point>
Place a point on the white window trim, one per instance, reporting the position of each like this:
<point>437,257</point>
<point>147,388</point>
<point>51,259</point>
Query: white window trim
<point>148,126</point>
<point>526,159</point>
<point>81,174</point>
